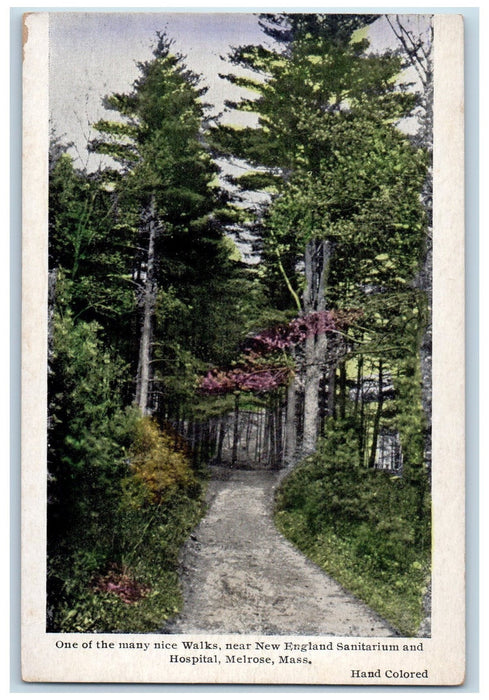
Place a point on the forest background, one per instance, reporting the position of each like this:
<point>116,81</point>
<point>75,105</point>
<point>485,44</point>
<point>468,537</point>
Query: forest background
<point>163,335</point>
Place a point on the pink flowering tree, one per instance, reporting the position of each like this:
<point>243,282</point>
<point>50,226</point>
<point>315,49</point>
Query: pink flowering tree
<point>266,364</point>
<point>269,363</point>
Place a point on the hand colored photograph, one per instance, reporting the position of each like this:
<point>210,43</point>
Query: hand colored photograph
<point>239,324</point>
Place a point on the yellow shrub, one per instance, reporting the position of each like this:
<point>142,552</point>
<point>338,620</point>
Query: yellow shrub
<point>157,464</point>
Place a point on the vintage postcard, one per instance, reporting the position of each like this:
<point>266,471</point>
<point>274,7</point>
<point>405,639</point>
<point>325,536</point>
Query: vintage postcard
<point>243,348</point>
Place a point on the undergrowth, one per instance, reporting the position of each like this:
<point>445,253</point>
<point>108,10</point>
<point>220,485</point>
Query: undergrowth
<point>127,580</point>
<point>364,527</point>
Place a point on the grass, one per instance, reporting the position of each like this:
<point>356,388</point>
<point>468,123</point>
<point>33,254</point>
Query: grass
<point>97,611</point>
<point>396,596</point>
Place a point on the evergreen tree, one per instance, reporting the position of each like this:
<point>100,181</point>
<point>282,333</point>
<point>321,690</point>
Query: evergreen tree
<point>92,248</point>
<point>166,177</point>
<point>346,208</point>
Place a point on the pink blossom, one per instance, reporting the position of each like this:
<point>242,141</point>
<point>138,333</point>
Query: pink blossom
<point>260,369</point>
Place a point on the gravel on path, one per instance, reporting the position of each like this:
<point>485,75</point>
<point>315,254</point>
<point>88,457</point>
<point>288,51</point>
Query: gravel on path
<point>240,575</point>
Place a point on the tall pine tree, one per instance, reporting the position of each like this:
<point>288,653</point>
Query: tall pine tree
<point>166,178</point>
<point>346,218</point>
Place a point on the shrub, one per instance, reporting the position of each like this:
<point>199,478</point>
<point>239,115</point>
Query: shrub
<point>361,525</point>
<point>157,466</point>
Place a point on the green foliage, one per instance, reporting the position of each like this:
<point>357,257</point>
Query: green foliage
<point>88,431</point>
<point>91,249</point>
<point>121,500</point>
<point>396,597</point>
<point>89,241</point>
<point>156,140</point>
<point>118,494</point>
<point>342,171</point>
<point>360,524</point>
<point>339,28</point>
<point>319,81</point>
<point>88,437</point>
<point>150,539</point>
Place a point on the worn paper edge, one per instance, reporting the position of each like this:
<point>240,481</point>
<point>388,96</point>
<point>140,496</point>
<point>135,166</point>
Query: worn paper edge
<point>445,651</point>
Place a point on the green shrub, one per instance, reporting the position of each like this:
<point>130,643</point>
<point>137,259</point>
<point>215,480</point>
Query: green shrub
<point>121,500</point>
<point>361,525</point>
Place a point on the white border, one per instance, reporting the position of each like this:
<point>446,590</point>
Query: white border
<point>445,651</point>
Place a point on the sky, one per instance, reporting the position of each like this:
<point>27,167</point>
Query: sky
<point>93,54</point>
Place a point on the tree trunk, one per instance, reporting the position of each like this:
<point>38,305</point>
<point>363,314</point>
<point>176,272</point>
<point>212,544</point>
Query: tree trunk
<point>205,441</point>
<point>291,422</point>
<point>359,384</point>
<point>317,259</point>
<point>378,413</point>
<point>361,431</point>
<point>197,444</point>
<point>234,453</point>
<point>272,460</point>
<point>332,392</point>
<point>220,440</point>
<point>311,396</point>
<point>149,303</point>
<point>342,391</point>
<point>323,401</point>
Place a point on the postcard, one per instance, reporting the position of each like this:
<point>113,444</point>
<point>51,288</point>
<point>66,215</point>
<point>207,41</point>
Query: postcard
<point>243,348</point>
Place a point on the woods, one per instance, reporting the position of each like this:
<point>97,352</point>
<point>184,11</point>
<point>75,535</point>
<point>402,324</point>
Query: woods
<point>170,350</point>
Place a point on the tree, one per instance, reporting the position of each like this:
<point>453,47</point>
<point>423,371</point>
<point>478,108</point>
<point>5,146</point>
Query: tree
<point>88,438</point>
<point>166,177</point>
<point>339,28</point>
<point>92,246</point>
<point>347,181</point>
<point>416,44</point>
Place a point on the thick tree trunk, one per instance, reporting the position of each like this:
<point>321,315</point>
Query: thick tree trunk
<point>149,303</point>
<point>317,259</point>
<point>311,397</point>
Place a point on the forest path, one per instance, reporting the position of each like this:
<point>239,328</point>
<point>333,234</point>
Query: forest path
<point>240,575</point>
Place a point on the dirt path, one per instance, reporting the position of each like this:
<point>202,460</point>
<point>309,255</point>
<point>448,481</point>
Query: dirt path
<point>241,576</point>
